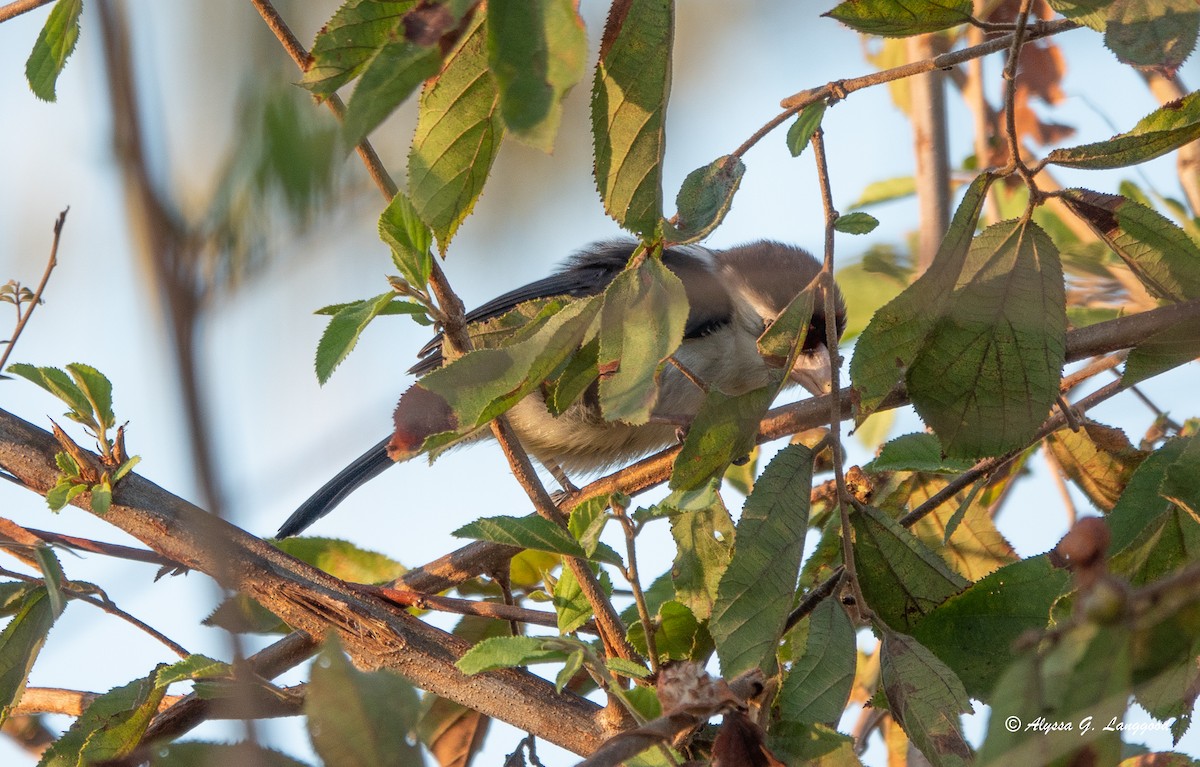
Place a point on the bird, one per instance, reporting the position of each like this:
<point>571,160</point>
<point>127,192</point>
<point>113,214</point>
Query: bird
<point>733,296</point>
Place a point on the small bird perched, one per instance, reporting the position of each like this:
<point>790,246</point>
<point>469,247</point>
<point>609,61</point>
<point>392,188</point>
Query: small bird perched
<point>733,296</point>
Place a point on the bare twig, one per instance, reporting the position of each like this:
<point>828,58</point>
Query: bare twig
<point>37,294</point>
<point>18,7</point>
<point>631,574</point>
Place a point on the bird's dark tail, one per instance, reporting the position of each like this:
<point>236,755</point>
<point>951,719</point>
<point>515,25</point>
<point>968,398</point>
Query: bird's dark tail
<point>364,468</point>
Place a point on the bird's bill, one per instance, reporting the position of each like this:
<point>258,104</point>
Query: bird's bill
<point>813,371</point>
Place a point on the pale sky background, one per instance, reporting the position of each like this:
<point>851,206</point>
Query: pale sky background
<point>280,435</point>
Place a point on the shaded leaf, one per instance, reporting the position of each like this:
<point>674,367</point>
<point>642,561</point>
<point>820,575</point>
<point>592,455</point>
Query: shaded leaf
<point>506,652</point>
<point>900,577</point>
<point>926,699</point>
<point>916,452</point>
<point>1098,459</point>
<point>537,53</point>
<point>1153,34</point>
<point>348,41</point>
<point>805,126</point>
<point>642,323</point>
<point>390,77</point>
<point>813,745</point>
<point>1141,503</point>
<point>856,223</point>
<point>531,532</point>
<point>20,643</point>
<point>723,431</point>
<point>629,104</point>
<point>758,588</point>
<point>192,667</point>
<point>342,333</point>
<point>453,733</point>
<point>973,632</point>
<point>110,727</point>
<point>402,229</point>
<point>989,371</point>
<point>677,634</point>
<point>1163,351</point>
<point>359,719</point>
<point>343,559</point>
<point>199,754</point>
<point>818,685</point>
<point>458,136</point>
<point>703,547</point>
<point>704,199</point>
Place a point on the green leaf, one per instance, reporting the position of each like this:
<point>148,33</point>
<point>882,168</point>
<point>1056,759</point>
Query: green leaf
<point>1160,254</point>
<point>973,632</point>
<point>704,199</point>
<point>110,727</point>
<point>886,191</point>
<point>101,498</point>
<point>391,76</point>
<point>722,432</point>
<point>537,52</point>
<point>578,375</point>
<point>60,385</point>
<point>1181,485</point>
<point>341,335</point>
<point>856,223</point>
<point>898,331</point>
<point>1163,130</point>
<point>989,371</point>
<point>53,576</point>
<point>868,285</point>
<point>897,18</point>
<point>805,126</point>
<point>531,533</point>
<point>360,719</point>
<point>507,652</point>
<point>1085,672</point>
<point>570,604</point>
<point>1141,503</point>
<point>343,559</point>
<point>1153,34</point>
<point>629,104</point>
<point>960,530</point>
<point>348,42</point>
<point>627,668</point>
<point>404,231</point>
<point>677,634</point>
<point>588,519</point>
<point>1098,459</point>
<point>925,698</point>
<point>813,745</point>
<point>645,311</point>
<point>916,452</point>
<point>703,547</point>
<point>463,395</point>
<point>900,577</point>
<point>54,45</point>
<point>20,643</point>
<point>1162,351</point>
<point>458,135</point>
<point>818,685</point>
<point>98,390</point>
<point>759,586</point>
<point>192,667</point>
<point>1093,13</point>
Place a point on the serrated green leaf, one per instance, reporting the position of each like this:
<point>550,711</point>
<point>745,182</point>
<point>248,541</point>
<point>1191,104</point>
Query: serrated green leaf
<point>200,754</point>
<point>404,231</point>
<point>54,577</point>
<point>898,331</point>
<point>570,668</point>
<point>926,700</point>
<point>537,52</point>
<point>1163,130</point>
<point>1098,459</point>
<point>60,385</point>
<point>723,431</point>
<point>629,104</point>
<point>818,684</point>
<point>989,370</point>
<point>704,199</point>
<point>54,45</point>
<point>961,531</point>
<point>973,632</point>
<point>391,76</point>
<point>531,533</point>
<point>192,667</point>
<point>758,588</point>
<point>578,375</point>
<point>359,719</point>
<point>703,547</point>
<point>1159,253</point>
<point>1141,502</point>
<point>1163,351</point>
<point>641,324</point>
<point>813,745</point>
<point>1093,13</point>
<point>627,668</point>
<point>805,126</point>
<point>570,604</point>
<point>458,136</point>
<point>916,452</point>
<point>20,643</point>
<point>507,652</point>
<point>101,498</point>
<point>461,396</point>
<point>349,40</point>
<point>588,519</point>
<point>901,18</point>
<point>856,223</point>
<point>126,467</point>
<point>900,577</point>
<point>677,633</point>
<point>110,727</point>
<point>1152,34</point>
<point>343,559</point>
<point>98,390</point>
<point>342,333</point>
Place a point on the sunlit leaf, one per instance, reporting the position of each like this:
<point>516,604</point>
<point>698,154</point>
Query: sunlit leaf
<point>894,18</point>
<point>342,332</point>
<point>704,199</point>
<point>347,42</point>
<point>110,727</point>
<point>1163,130</point>
<point>54,45</point>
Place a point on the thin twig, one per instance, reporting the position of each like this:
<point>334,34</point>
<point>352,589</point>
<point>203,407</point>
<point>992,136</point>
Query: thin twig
<point>497,610</point>
<point>101,547</point>
<point>631,574</point>
<point>845,500</point>
<point>1010,101</point>
<point>814,597</point>
<point>18,7</point>
<point>41,288</point>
